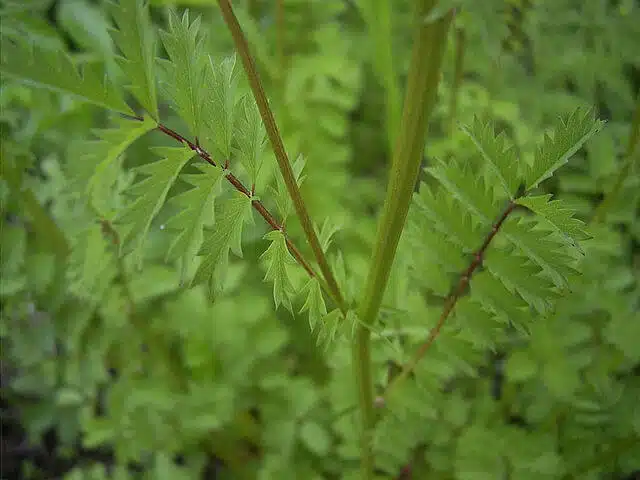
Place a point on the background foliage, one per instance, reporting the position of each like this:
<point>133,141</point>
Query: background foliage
<point>115,364</point>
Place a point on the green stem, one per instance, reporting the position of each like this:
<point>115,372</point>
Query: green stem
<point>422,84</point>
<point>378,18</point>
<point>634,138</point>
<point>278,148</point>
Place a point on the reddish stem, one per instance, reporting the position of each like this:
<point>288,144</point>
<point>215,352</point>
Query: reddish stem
<point>233,180</point>
<point>453,297</point>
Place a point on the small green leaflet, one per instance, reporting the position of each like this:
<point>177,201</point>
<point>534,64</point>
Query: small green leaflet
<point>221,106</point>
<point>88,26</point>
<point>542,246</point>
<point>225,235</point>
<point>281,194</point>
<point>251,137</point>
<point>113,142</point>
<point>327,232</point>
<point>314,303</point>
<point>54,70</point>
<point>277,257</point>
<point>329,327</point>
<point>449,216</point>
<point>568,138</point>
<point>196,209</point>
<point>559,217</point>
<point>187,74</point>
<point>150,194</point>
<point>467,187</point>
<point>492,294</point>
<point>134,37</point>
<point>522,275</point>
<point>500,156</point>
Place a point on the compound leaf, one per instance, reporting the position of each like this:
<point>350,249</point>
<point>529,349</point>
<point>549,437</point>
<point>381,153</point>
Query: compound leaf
<point>55,70</point>
<point>150,193</point>
<point>134,37</point>
<point>277,257</point>
<point>568,138</point>
<point>196,209</point>
<point>314,302</point>
<point>558,216</point>
<point>500,156</point>
<point>186,69</point>
<point>225,235</point>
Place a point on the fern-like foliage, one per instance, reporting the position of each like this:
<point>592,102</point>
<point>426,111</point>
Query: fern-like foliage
<point>516,263</point>
<point>220,107</point>
<point>135,38</point>
<point>568,138</point>
<point>225,236</point>
<point>278,258</point>
<point>149,195</point>
<point>112,142</point>
<point>251,138</point>
<point>195,210</point>
<point>55,70</point>
<point>314,302</point>
<point>186,70</point>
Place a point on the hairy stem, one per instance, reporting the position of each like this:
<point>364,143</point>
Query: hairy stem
<point>278,148</point>
<point>256,204</point>
<point>452,299</point>
<point>422,84</point>
<point>634,140</point>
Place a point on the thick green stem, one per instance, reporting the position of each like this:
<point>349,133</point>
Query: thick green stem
<point>277,144</point>
<point>422,84</point>
<point>377,15</point>
<point>634,140</point>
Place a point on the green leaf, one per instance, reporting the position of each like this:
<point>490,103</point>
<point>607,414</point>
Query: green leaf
<point>111,144</point>
<point>220,109</point>
<point>327,232</point>
<point>225,235</point>
<point>150,194</point>
<point>494,296</point>
<point>467,187</point>
<point>522,275</point>
<point>277,257</point>
<point>251,138</point>
<point>329,328</point>
<point>449,217</point>
<point>558,216</point>
<point>314,303</point>
<point>54,70</point>
<point>569,137</point>
<point>281,194</point>
<point>315,437</point>
<point>500,157</point>
<point>134,37</point>
<point>196,209</point>
<point>471,459</point>
<point>186,70</point>
<point>543,247</point>
<point>88,26</point>
<point>623,331</point>
<point>521,367</point>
